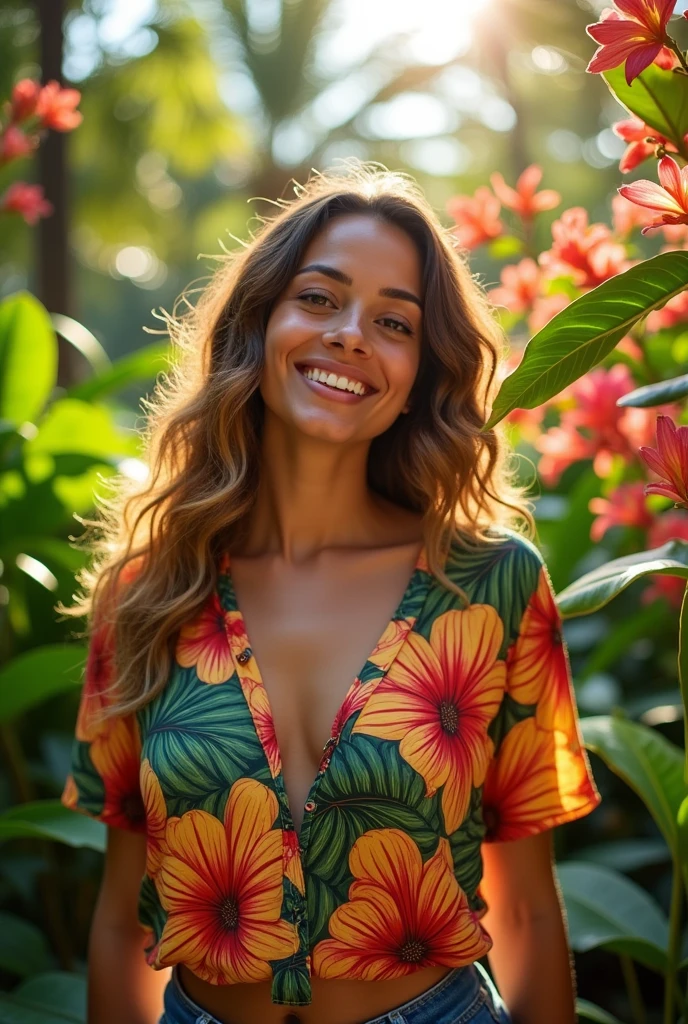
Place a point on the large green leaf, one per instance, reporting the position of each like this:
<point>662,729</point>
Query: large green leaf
<point>56,997</point>
<point>597,588</point>
<point>72,426</point>
<point>656,394</point>
<point>581,335</point>
<point>626,854</point>
<point>49,819</point>
<point>647,762</point>
<point>23,947</point>
<point>28,358</point>
<point>143,364</point>
<point>657,97</point>
<point>83,340</point>
<point>38,674</point>
<point>589,1011</point>
<point>604,908</point>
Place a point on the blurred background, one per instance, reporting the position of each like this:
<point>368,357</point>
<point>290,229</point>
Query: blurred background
<point>197,116</point>
<point>198,113</point>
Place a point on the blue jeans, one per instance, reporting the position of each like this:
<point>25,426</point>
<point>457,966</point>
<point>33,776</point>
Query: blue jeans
<point>466,995</point>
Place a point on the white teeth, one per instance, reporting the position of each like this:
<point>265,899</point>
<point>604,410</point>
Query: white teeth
<point>333,381</point>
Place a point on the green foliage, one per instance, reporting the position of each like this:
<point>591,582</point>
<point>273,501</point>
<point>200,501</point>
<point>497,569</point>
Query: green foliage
<point>578,337</point>
<point>55,997</point>
<point>603,908</point>
<point>657,394</point>
<point>657,97</point>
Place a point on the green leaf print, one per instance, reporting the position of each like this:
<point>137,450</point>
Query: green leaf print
<point>367,786</point>
<point>89,784</point>
<point>502,575</point>
<point>323,899</point>
<point>199,740</point>
<point>465,848</point>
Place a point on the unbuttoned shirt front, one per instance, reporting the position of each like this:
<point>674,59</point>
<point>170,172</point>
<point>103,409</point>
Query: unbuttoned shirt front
<point>460,728</point>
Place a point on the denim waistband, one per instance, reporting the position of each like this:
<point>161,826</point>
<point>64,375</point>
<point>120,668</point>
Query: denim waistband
<point>455,998</point>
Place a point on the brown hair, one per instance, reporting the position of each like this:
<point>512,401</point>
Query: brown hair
<point>164,536</point>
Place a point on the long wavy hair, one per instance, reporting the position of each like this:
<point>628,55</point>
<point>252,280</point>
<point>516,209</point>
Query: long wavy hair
<point>155,546</point>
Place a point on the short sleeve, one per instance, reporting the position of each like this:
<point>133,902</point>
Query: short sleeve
<point>539,775</point>
<point>103,781</point>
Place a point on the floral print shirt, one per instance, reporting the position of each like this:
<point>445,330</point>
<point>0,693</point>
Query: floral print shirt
<point>461,728</point>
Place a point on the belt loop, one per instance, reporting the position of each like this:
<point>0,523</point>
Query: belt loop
<point>396,1018</point>
<point>204,1019</point>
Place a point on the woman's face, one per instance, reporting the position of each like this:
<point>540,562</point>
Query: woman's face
<point>351,311</point>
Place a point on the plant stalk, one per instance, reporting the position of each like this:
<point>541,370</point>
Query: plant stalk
<point>674,939</point>
<point>633,988</point>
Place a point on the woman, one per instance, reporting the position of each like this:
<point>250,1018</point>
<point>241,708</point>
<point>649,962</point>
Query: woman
<point>335,819</point>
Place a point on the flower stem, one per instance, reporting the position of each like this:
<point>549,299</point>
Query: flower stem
<point>674,940</point>
<point>675,48</point>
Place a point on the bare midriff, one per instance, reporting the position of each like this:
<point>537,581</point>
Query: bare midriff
<point>333,1001</point>
<point>311,630</point>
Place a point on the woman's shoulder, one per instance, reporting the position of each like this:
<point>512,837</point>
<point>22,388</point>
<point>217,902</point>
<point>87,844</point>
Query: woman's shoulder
<point>506,565</point>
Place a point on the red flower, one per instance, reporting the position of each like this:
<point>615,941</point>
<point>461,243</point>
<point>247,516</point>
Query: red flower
<point>14,143</point>
<point>642,142</point>
<point>669,461</point>
<point>55,107</point>
<point>636,39</point>
<point>477,217</point>
<point>585,252</point>
<point>625,506</point>
<point>24,98</point>
<point>669,526</point>
<point>524,200</point>
<point>520,286</point>
<point>27,200</point>
<point>669,198</point>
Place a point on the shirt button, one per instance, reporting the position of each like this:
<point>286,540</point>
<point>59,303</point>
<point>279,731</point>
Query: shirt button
<point>309,805</point>
<point>243,657</point>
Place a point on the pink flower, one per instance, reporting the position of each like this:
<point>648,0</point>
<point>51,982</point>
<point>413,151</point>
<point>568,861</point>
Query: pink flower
<point>560,447</point>
<point>642,142</point>
<point>55,107</point>
<point>27,200</point>
<point>545,308</point>
<point>520,286</point>
<point>636,39</point>
<point>524,200</point>
<point>24,98</point>
<point>669,461</point>
<point>625,506</point>
<point>626,217</point>
<point>666,59</point>
<point>669,525</point>
<point>477,217</point>
<point>675,311</point>
<point>587,253</point>
<point>14,143</point>
<point>669,198</point>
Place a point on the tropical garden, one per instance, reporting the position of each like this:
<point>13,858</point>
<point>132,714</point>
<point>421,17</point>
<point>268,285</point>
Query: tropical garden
<point>553,141</point>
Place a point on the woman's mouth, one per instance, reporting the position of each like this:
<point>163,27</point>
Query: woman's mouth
<point>335,386</point>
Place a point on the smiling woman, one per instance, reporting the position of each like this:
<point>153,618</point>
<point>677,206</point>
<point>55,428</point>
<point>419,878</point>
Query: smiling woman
<point>326,666</point>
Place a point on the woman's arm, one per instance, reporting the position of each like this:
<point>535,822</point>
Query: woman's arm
<point>121,985</point>
<point>530,960</point>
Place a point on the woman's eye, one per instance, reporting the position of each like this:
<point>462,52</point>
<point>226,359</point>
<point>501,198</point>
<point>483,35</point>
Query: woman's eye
<point>315,295</point>
<point>396,324</point>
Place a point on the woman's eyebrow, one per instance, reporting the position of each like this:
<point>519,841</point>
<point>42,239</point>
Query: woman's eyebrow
<point>339,275</point>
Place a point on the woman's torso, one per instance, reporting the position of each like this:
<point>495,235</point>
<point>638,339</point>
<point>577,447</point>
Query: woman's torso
<point>311,629</point>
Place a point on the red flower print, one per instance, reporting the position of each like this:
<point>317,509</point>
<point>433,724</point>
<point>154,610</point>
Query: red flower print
<point>438,699</point>
<point>221,885</point>
<point>537,668</point>
<point>402,914</point>
<point>539,779</point>
<point>204,645</point>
